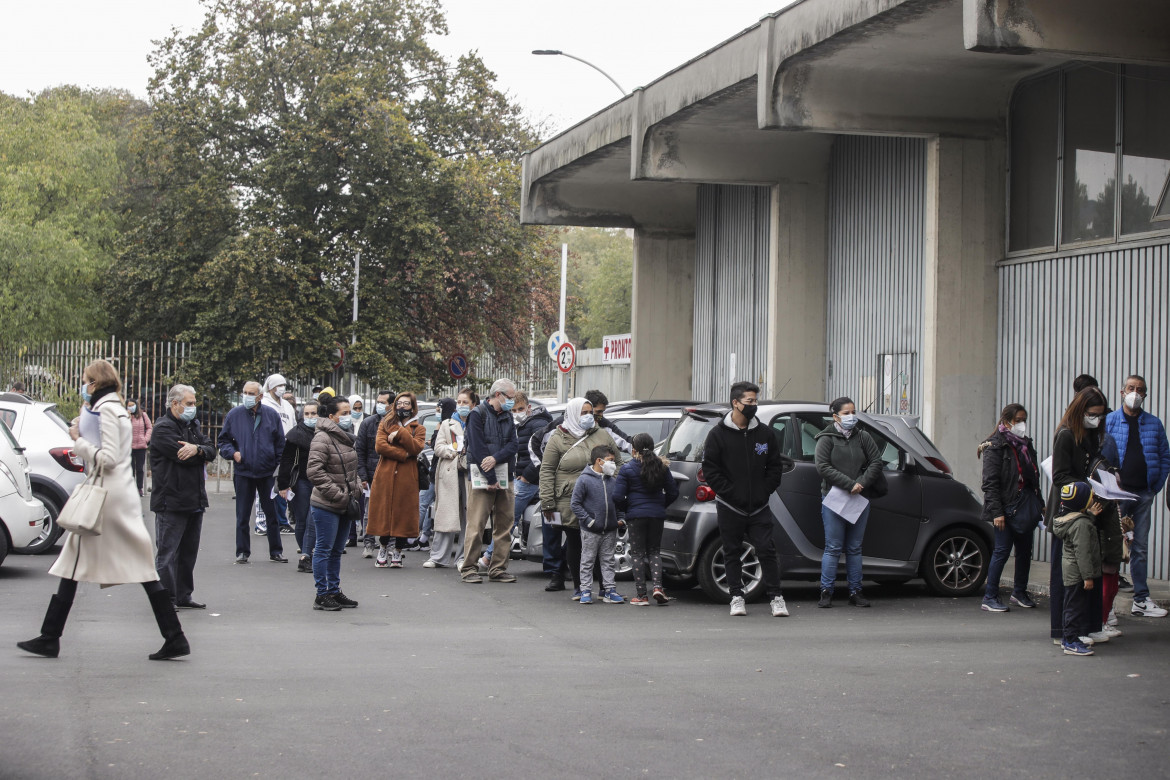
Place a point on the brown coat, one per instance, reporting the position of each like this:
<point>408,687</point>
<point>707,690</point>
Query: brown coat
<point>394,490</point>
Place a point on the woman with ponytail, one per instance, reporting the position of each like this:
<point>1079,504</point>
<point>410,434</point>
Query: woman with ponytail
<point>644,489</point>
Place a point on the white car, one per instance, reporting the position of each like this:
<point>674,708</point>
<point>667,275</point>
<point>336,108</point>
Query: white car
<point>54,470</point>
<point>21,515</point>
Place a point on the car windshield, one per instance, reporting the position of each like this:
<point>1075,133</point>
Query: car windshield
<point>54,415</point>
<point>688,437</point>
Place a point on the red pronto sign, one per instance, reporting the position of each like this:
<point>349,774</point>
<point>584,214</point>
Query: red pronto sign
<point>617,349</point>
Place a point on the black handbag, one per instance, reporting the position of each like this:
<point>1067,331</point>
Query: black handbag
<point>1024,513</point>
<point>424,473</point>
<point>878,489</point>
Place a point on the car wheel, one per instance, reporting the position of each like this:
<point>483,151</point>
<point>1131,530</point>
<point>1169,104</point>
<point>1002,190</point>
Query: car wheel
<point>50,531</point>
<point>956,563</point>
<point>622,559</point>
<point>3,545</point>
<point>713,572</point>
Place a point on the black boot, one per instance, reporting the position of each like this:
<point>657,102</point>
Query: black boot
<point>556,583</point>
<point>48,643</point>
<point>168,623</point>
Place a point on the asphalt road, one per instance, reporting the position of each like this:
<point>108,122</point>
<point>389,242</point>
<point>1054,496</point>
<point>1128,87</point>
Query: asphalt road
<point>433,677</point>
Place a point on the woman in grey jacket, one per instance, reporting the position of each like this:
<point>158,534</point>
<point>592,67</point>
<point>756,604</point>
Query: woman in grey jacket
<point>849,459</point>
<point>332,469</point>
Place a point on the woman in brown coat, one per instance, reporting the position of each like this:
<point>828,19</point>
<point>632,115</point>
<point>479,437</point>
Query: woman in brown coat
<point>394,490</point>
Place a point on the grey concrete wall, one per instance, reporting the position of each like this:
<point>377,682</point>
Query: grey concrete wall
<point>662,315</point>
<point>613,379</point>
<point>964,241</point>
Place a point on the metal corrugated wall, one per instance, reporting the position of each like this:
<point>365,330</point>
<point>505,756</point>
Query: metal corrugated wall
<point>1100,313</point>
<point>731,287</point>
<point>877,212</point>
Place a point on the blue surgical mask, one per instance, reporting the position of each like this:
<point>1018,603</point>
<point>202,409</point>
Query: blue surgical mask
<point>848,421</point>
<point>85,394</point>
<point>249,401</point>
<point>380,409</point>
<point>356,415</point>
<point>508,404</point>
<point>310,422</point>
<point>587,421</point>
<point>463,411</point>
<point>188,413</point>
<point>346,423</point>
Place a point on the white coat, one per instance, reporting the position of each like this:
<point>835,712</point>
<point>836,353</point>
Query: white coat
<point>124,552</point>
<point>448,506</point>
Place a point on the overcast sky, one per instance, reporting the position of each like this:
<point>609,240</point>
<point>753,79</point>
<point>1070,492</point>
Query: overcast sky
<point>104,43</point>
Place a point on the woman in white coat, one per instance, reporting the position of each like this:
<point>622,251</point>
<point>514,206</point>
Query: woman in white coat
<point>450,491</point>
<point>123,552</point>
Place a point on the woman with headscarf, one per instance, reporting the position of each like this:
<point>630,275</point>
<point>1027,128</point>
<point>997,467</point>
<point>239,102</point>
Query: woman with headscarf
<point>450,505</point>
<point>394,491</point>
<point>565,456</point>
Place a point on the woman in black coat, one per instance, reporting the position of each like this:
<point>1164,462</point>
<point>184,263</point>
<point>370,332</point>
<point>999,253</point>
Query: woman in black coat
<point>293,475</point>
<point>1012,503</point>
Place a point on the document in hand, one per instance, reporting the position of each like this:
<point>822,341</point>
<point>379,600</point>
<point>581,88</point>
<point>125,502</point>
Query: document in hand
<point>845,504</point>
<point>479,483</point>
<point>1109,488</point>
<point>556,519</point>
<point>1046,467</point>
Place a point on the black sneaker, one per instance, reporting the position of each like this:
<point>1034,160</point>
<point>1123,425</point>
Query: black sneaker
<point>556,583</point>
<point>857,600</point>
<point>327,603</point>
<point>304,564</point>
<point>1123,583</point>
<point>344,601</point>
<point>287,529</point>
<point>826,599</point>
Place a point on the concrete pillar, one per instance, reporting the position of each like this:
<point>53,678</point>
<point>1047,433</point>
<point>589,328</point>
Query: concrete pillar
<point>662,315</point>
<point>796,301</point>
<point>964,241</point>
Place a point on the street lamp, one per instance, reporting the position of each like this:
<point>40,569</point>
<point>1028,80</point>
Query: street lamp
<point>554,52</point>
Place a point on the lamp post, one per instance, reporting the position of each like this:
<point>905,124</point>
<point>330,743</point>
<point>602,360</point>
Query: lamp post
<point>555,52</point>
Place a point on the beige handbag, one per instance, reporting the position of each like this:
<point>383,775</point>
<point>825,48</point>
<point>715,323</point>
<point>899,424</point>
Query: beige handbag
<point>82,513</point>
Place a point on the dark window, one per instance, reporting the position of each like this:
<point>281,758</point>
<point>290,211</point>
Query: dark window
<point>1090,153</point>
<point>785,436</point>
<point>1145,162</point>
<point>808,425</point>
<point>1035,108</point>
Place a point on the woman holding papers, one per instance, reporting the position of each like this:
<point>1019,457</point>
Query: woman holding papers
<point>1011,502</point>
<point>848,461</point>
<point>394,489</point>
<point>450,482</point>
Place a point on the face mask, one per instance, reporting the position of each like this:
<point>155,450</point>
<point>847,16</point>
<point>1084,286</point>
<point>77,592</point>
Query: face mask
<point>356,415</point>
<point>1019,430</point>
<point>519,417</point>
<point>403,414</point>
<point>311,422</point>
<point>508,404</point>
<point>587,421</point>
<point>188,413</point>
<point>463,411</point>
<point>132,408</point>
<point>848,421</point>
<point>380,409</point>
<point>1134,401</point>
<point>278,391</point>
<point>608,468</point>
<point>346,423</point>
<point>1092,421</point>
<point>85,394</point>
<point>249,401</point>
<point>748,411</point>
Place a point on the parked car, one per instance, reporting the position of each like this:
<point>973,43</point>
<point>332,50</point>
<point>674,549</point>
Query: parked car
<point>21,514</point>
<point>929,524</point>
<point>43,432</point>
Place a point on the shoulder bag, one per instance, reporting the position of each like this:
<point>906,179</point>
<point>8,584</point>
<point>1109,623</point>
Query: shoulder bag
<point>82,513</point>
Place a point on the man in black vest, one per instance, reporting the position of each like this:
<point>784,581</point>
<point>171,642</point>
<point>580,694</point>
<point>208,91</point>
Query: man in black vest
<point>491,443</point>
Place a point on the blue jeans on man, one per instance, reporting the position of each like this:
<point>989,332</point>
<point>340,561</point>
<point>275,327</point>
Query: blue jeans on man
<point>331,536</point>
<point>1139,548</point>
<point>247,489</point>
<point>840,535</point>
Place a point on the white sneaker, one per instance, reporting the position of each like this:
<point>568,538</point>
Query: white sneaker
<point>368,550</point>
<point>383,559</point>
<point>1110,631</point>
<point>738,607</point>
<point>484,563</point>
<point>779,608</point>
<point>1147,608</point>
<point>1087,641</point>
<point>1112,621</point>
<point>429,564</point>
<point>1099,637</point>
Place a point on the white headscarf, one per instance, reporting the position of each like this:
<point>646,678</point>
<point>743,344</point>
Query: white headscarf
<point>353,399</point>
<point>572,422</point>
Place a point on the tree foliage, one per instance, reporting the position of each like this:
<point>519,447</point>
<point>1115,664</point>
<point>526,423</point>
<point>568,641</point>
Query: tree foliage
<point>601,275</point>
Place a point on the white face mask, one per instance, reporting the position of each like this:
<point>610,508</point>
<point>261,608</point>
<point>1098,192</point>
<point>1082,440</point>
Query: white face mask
<point>1133,401</point>
<point>1020,429</point>
<point>1092,420</point>
<point>608,468</point>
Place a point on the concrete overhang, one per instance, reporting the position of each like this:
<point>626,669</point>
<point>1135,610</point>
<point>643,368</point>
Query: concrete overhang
<point>818,67</point>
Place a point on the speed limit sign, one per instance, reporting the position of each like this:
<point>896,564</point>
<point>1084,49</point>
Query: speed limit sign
<point>566,357</point>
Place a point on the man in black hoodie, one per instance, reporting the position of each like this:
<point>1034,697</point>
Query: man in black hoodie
<point>743,465</point>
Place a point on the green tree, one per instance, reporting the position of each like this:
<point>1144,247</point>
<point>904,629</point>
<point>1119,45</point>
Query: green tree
<point>601,277</point>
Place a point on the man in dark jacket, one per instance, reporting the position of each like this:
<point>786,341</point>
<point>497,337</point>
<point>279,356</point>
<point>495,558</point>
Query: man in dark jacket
<point>179,453</point>
<point>743,465</point>
<point>491,442</point>
<point>253,438</point>
<point>368,459</point>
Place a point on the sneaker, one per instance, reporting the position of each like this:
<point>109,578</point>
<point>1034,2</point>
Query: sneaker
<point>484,562</point>
<point>344,601</point>
<point>857,600</point>
<point>611,596</point>
<point>1022,600</point>
<point>1124,584</point>
<point>556,583</point>
<point>1147,608</point>
<point>994,605</point>
<point>429,564</point>
<point>258,531</point>
<point>577,595</point>
<point>368,550</point>
<point>287,529</point>
<point>395,559</point>
<point>826,599</point>
<point>472,578</point>
<point>1087,641</point>
<point>586,597</point>
<point>738,606</point>
<point>1099,637</point>
<point>639,601</point>
<point>241,558</point>
<point>660,596</point>
<point>383,559</point>
<point>1110,631</point>
<point>304,564</point>
<point>779,608</point>
<point>1112,619</point>
<point>502,576</point>
<point>1075,648</point>
<point>326,603</point>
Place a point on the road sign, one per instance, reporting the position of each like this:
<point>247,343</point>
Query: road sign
<point>458,366</point>
<point>566,357</point>
<point>617,349</point>
<point>554,343</point>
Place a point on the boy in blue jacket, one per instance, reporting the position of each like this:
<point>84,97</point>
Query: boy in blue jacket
<point>593,505</point>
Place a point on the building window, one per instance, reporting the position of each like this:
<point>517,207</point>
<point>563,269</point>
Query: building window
<point>1035,107</point>
<point>1090,153</point>
<point>1145,161</point>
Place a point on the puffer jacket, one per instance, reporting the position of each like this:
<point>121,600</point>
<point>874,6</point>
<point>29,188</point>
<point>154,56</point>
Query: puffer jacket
<point>536,421</point>
<point>1154,445</point>
<point>565,457</point>
<point>1081,559</point>
<point>592,502</point>
<point>1001,475</point>
<point>332,467</point>
<point>632,496</point>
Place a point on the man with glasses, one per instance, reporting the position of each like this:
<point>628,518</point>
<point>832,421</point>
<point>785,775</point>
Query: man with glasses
<point>1142,457</point>
<point>491,443</point>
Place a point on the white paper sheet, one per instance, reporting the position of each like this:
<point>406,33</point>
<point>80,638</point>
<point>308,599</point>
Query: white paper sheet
<point>1046,467</point>
<point>1108,487</point>
<point>848,505</point>
<point>479,483</point>
<point>556,519</point>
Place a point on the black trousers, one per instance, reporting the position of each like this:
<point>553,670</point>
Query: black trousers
<point>572,558</point>
<point>138,461</point>
<point>757,529</point>
<point>1094,607</point>
<point>178,547</point>
<point>1076,611</point>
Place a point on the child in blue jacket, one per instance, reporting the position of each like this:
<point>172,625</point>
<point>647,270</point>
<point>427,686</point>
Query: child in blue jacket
<point>597,515</point>
<point>644,489</point>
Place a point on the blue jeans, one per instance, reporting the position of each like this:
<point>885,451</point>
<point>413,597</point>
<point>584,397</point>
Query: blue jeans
<point>302,492</point>
<point>1005,540</point>
<point>839,534</point>
<point>1139,548</point>
<point>426,519</point>
<point>281,509</point>
<point>525,495</point>
<point>331,536</point>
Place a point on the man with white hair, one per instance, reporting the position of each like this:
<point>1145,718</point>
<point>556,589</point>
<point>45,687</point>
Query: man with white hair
<point>491,443</point>
<point>179,453</point>
<point>275,387</point>
<point>253,438</point>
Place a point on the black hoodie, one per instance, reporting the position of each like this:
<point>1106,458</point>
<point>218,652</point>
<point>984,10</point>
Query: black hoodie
<point>743,467</point>
<point>536,421</point>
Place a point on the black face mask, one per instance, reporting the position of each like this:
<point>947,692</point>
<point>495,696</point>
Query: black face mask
<point>403,414</point>
<point>748,411</point>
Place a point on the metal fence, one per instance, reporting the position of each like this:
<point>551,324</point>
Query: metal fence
<point>535,374</point>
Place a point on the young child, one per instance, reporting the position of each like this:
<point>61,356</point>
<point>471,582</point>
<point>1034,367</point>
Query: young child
<point>1081,560</point>
<point>644,488</point>
<point>597,515</point>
